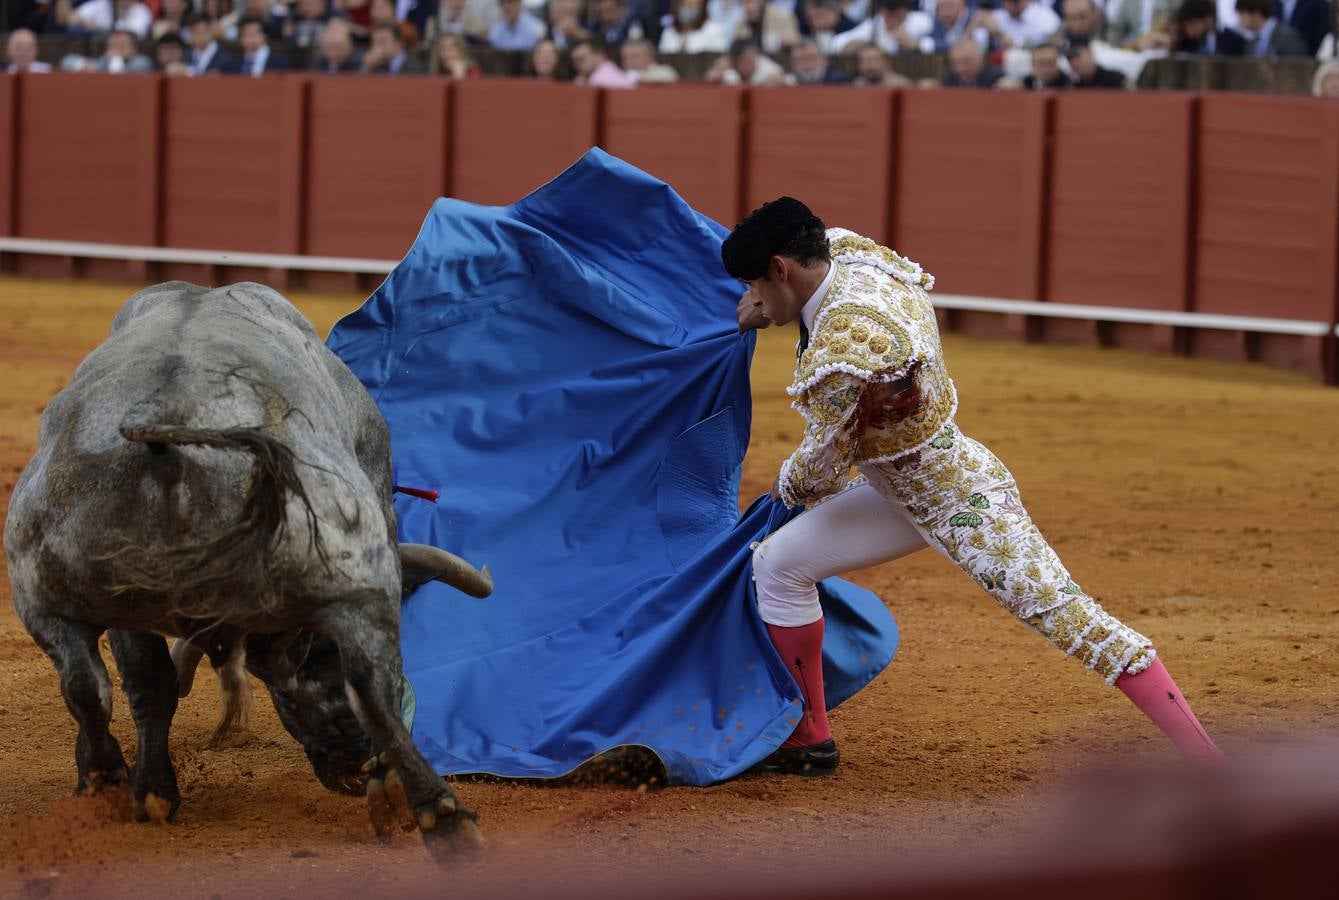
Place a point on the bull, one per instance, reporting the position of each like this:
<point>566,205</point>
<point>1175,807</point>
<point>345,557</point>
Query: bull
<point>214,473</point>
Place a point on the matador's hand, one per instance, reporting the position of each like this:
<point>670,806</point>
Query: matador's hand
<point>749,313</point>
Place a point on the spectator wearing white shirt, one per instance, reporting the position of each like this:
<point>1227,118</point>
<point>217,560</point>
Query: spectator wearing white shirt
<point>745,64</point>
<point>688,29</point>
<point>1020,23</point>
<point>952,22</point>
<point>1140,24</point>
<point>518,29</point>
<point>894,28</point>
<point>21,51</point>
<point>105,15</point>
<point>767,25</point>
<point>121,55</point>
<point>640,64</point>
<point>458,17</point>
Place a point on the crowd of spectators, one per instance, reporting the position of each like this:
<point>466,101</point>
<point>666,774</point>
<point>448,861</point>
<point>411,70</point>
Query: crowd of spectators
<point>1021,44</point>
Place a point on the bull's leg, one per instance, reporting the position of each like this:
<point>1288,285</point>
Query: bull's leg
<point>368,639</point>
<point>150,681</point>
<point>73,648</point>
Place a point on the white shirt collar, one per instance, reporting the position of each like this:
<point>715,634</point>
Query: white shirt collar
<point>811,305</point>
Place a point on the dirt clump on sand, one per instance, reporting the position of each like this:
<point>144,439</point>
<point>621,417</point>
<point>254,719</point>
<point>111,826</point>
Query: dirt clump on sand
<point>1195,500</point>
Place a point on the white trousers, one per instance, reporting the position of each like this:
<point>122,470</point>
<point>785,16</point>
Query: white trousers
<point>855,529</point>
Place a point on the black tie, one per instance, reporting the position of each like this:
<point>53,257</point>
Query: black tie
<point>804,339</point>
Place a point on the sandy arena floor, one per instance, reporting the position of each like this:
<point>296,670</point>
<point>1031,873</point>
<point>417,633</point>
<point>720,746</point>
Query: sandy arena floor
<point>1196,500</point>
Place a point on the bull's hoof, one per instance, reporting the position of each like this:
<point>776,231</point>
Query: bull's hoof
<point>450,834</point>
<point>158,810</point>
<point>98,782</point>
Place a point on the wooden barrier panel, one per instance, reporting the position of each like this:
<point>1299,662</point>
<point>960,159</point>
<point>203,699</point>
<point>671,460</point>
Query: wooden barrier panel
<point>376,161</point>
<point>969,189</point>
<point>831,148</point>
<point>7,91</point>
<point>1118,227</point>
<point>688,136</point>
<point>511,136</point>
<point>232,163</point>
<point>88,158</point>
<point>1267,223</point>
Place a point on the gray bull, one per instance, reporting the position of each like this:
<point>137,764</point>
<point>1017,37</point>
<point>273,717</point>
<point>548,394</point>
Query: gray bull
<point>215,473</point>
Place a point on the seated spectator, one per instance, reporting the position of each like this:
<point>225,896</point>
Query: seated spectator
<point>21,51</point>
<point>767,25</point>
<point>1082,21</point>
<point>745,64</point>
<point>451,58</point>
<point>262,10</point>
<point>1141,24</point>
<point>169,55</point>
<point>725,13</point>
<point>808,65</point>
<point>518,29</point>
<point>895,28</point>
<point>1326,81</point>
<point>205,55</point>
<point>1195,28</point>
<point>564,23</point>
<point>1087,73</point>
<point>460,17</point>
<point>120,55</point>
<point>594,67</point>
<point>387,54</point>
<point>223,16</point>
<point>101,16</point>
<point>337,55</point>
<point>257,56</point>
<point>384,13</point>
<point>822,21</point>
<point>171,17</point>
<point>545,61</point>
<point>1312,19</point>
<point>357,13</point>
<point>968,66</point>
<point>305,24</point>
<point>614,23</point>
<point>1046,74</point>
<point>1259,35</point>
<point>1020,23</point>
<point>639,61</point>
<point>952,22</point>
<point>873,67</point>
<point>687,29</point>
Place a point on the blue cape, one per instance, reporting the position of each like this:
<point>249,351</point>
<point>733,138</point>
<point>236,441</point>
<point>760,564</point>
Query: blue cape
<point>568,370</point>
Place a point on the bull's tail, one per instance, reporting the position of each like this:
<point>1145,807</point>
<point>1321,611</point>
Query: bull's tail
<point>245,550</point>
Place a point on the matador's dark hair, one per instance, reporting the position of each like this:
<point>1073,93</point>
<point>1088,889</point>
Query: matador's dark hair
<point>783,227</point>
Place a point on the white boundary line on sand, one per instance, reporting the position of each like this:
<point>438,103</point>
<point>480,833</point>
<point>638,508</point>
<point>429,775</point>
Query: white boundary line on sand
<point>942,301</point>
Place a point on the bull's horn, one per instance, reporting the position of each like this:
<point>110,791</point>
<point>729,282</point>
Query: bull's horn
<point>421,563</point>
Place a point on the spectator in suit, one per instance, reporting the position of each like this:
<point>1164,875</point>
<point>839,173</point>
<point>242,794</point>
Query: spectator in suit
<point>1046,74</point>
<point>688,29</point>
<point>1312,19</point>
<point>336,55</point>
<point>1195,28</point>
<point>968,66</point>
<point>387,53</point>
<point>1019,23</point>
<point>171,17</point>
<point>896,27</point>
<point>769,26</point>
<point>257,55</point>
<point>120,55</point>
<point>451,58</point>
<point>746,64</point>
<point>874,68</point>
<point>808,65</point>
<point>823,20</point>
<point>169,55</point>
<point>304,26</point>
<point>1141,24</point>
<point>518,29</point>
<point>21,51</point>
<point>205,55</point>
<point>101,16</point>
<point>1259,35</point>
<point>262,10</point>
<point>565,26</point>
<point>1087,73</point>
<point>594,67</point>
<point>639,61</point>
<point>1326,81</point>
<point>953,21</point>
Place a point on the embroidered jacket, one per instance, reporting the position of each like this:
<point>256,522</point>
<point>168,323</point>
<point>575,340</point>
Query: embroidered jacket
<point>871,385</point>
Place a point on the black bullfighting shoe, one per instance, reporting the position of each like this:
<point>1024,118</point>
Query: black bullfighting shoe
<point>811,762</point>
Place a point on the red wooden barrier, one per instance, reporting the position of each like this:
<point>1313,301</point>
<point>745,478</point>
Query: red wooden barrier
<point>969,192</point>
<point>830,148</point>
<point>688,136</point>
<point>7,91</point>
<point>232,163</point>
<point>511,136</point>
<point>88,158</point>
<point>376,161</point>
